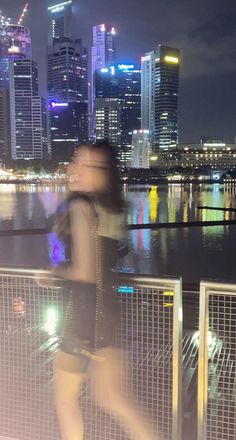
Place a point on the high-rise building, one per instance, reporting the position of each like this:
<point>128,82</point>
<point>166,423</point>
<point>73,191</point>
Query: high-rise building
<point>67,71</point>
<point>69,122</point>
<point>103,49</point>
<point>27,131</point>
<point>68,86</point>
<point>107,120</point>
<point>141,149</point>
<point>122,82</point>
<point>159,92</point>
<point>60,20</point>
<point>103,55</point>
<point>5,139</point>
<point>15,42</point>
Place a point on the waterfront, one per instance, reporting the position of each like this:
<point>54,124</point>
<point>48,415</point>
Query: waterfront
<point>194,253</point>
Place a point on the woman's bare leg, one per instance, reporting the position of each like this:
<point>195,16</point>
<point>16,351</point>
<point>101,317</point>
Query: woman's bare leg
<point>106,388</point>
<point>67,387</point>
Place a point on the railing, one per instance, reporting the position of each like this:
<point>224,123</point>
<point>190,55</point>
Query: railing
<point>150,331</point>
<point>217,362</point>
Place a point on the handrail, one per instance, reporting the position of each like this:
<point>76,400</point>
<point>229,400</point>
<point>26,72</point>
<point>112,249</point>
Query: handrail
<point>171,225</point>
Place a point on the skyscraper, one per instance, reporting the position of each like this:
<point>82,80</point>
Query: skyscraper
<point>27,132</point>
<point>141,149</point>
<point>69,123</point>
<point>60,20</point>
<point>67,71</point>
<point>103,50</point>
<point>15,42</point>
<point>122,82</point>
<point>103,55</point>
<point>5,139</point>
<point>159,92</point>
<point>107,120</point>
<point>67,86</point>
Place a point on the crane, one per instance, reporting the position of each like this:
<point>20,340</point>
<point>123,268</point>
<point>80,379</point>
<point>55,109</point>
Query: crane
<point>22,16</point>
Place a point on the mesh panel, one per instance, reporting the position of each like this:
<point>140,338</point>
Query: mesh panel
<point>221,411</point>
<point>30,319</point>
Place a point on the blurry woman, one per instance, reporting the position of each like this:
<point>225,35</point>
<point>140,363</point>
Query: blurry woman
<point>94,227</point>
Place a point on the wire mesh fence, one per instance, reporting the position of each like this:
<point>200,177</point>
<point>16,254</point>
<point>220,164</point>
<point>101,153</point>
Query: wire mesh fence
<point>217,363</point>
<point>150,334</point>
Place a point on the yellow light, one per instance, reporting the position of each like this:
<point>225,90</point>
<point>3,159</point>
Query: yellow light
<point>153,158</point>
<point>168,304</point>
<point>170,59</point>
<point>167,293</point>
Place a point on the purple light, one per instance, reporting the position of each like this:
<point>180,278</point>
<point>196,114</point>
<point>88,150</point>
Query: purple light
<point>54,104</point>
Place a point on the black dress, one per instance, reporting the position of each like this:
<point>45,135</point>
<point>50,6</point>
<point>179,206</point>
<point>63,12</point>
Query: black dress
<point>93,310</point>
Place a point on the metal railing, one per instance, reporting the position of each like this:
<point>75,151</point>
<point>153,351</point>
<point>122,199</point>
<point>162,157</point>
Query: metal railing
<point>217,362</point>
<point>150,331</point>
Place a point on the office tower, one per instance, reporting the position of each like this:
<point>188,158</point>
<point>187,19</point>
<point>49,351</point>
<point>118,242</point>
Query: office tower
<point>67,85</point>
<point>25,110</point>
<point>5,139</point>
<point>159,92</point>
<point>107,120</point>
<point>122,82</point>
<point>67,71</point>
<point>103,55</point>
<point>103,50</point>
<point>141,149</point>
<point>60,20</point>
<point>69,122</point>
<point>15,42</point>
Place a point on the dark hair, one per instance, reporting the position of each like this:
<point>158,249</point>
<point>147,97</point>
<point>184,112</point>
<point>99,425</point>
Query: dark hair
<point>111,199</point>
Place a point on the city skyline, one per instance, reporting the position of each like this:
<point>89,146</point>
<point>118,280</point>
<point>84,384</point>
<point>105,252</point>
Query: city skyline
<point>204,35</point>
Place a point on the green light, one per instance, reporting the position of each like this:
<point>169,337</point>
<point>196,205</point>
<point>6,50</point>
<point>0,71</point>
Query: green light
<point>51,321</point>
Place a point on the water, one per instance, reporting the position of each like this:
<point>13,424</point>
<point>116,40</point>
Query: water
<point>194,253</point>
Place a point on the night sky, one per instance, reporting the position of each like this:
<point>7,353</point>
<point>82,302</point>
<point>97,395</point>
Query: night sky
<point>204,31</point>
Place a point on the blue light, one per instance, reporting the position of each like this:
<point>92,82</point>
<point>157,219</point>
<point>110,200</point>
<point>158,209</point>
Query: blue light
<point>126,289</point>
<point>104,70</point>
<point>125,66</point>
<point>112,69</point>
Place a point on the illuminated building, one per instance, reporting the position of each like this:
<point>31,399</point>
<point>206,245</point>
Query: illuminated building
<point>27,118</point>
<point>206,155</point>
<point>107,120</point>
<point>15,42</point>
<point>67,71</point>
<point>122,82</point>
<point>5,140</point>
<point>68,83</point>
<point>68,129</point>
<point>141,149</point>
<point>67,86</point>
<point>60,20</point>
<point>103,55</point>
<point>103,50</point>
<point>159,92</point>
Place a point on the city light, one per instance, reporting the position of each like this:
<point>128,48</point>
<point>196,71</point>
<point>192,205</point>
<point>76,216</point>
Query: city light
<point>54,104</point>
<point>146,58</point>
<point>51,321</point>
<point>23,13</point>
<point>126,289</point>
<point>125,66</point>
<point>170,59</point>
<point>104,70</point>
<point>59,7</point>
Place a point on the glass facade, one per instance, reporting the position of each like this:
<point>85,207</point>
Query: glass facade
<point>122,83</point>
<point>159,90</point>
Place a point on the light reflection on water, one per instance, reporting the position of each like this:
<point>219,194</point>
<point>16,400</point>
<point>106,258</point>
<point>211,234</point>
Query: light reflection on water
<point>195,253</point>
